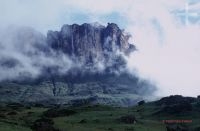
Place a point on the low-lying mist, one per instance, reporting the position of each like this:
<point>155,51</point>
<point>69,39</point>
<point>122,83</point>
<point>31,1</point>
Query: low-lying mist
<point>24,52</point>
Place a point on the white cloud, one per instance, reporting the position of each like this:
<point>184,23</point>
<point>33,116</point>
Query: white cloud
<point>171,58</point>
<point>172,63</point>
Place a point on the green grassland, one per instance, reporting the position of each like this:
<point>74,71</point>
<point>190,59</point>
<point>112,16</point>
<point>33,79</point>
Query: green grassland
<point>148,117</point>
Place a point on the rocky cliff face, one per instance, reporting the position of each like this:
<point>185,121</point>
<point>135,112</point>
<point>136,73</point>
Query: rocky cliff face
<point>90,43</point>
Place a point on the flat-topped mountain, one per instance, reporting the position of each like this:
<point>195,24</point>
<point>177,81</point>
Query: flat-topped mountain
<point>79,64</point>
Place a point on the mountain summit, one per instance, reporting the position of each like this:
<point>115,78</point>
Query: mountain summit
<point>88,40</point>
<point>91,43</point>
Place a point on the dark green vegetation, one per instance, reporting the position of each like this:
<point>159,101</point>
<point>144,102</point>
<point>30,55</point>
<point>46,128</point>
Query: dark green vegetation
<point>142,117</point>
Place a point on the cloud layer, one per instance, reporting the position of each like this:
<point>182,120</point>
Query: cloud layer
<point>168,51</point>
<point>24,52</point>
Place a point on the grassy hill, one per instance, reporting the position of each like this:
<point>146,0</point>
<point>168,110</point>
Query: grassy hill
<point>143,117</point>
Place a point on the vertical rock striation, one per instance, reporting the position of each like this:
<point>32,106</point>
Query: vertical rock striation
<point>90,43</point>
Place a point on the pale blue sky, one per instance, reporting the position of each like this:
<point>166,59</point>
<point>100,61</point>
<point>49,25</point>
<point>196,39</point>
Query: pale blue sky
<point>52,14</point>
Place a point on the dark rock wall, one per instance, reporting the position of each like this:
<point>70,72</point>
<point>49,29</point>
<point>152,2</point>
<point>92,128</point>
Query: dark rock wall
<point>88,42</point>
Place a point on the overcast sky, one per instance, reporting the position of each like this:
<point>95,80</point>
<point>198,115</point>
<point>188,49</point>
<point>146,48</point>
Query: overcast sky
<point>164,31</point>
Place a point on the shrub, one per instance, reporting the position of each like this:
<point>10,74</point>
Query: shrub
<point>128,119</point>
<point>12,113</point>
<point>57,112</point>
<point>175,99</point>
<point>175,127</point>
<point>43,124</point>
<point>177,108</point>
<point>83,121</point>
<point>141,102</point>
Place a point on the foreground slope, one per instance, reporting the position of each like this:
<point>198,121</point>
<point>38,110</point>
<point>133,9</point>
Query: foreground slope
<point>151,116</point>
